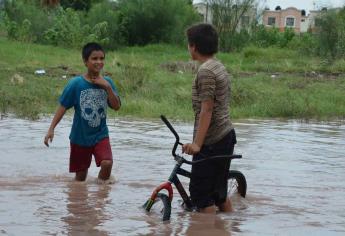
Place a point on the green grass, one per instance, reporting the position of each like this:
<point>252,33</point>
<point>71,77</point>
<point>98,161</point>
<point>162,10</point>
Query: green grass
<point>157,79</point>
<point>289,97</point>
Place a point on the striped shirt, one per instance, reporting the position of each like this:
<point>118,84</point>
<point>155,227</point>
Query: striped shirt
<point>212,82</point>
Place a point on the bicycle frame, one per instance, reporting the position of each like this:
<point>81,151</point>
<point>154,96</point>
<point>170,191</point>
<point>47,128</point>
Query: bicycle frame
<point>173,179</point>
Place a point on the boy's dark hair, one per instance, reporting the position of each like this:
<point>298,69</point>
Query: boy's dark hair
<point>89,48</point>
<point>204,37</point>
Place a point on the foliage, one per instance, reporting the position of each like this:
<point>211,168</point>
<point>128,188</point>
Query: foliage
<point>306,44</point>
<point>266,37</point>
<point>286,37</point>
<point>226,17</point>
<point>106,12</point>
<point>236,41</point>
<point>30,22</point>
<point>153,21</point>
<point>24,21</point>
<point>76,4</point>
<point>332,39</point>
<point>140,22</point>
<point>68,31</point>
<point>114,24</point>
<point>263,37</point>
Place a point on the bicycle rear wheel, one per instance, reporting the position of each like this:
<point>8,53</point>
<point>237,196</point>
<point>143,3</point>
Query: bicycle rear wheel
<point>237,183</point>
<point>160,207</point>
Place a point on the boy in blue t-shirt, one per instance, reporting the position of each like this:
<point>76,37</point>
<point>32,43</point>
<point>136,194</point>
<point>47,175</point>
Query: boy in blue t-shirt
<point>90,95</point>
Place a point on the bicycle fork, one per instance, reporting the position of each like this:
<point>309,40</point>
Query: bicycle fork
<point>167,186</point>
<point>173,179</point>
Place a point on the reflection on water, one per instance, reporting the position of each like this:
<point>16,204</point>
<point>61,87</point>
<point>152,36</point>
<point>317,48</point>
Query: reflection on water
<point>86,208</point>
<point>294,170</point>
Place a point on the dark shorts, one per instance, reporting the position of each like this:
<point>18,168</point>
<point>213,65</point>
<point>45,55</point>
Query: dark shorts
<point>80,157</point>
<point>209,179</point>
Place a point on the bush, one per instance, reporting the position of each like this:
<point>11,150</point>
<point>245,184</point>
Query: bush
<point>332,39</point>
<point>305,43</point>
<point>263,37</point>
<point>25,21</point>
<point>67,30</point>
<point>328,36</point>
<point>236,41</point>
<point>286,37</point>
<point>113,24</point>
<point>154,21</point>
<point>106,12</point>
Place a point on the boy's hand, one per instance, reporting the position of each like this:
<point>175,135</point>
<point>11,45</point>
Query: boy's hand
<point>101,82</point>
<point>49,137</point>
<point>190,148</point>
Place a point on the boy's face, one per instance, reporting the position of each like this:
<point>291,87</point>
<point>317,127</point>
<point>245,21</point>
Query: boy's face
<point>95,62</point>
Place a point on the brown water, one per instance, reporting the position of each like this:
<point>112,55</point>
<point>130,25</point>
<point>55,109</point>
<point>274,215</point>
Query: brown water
<point>295,173</point>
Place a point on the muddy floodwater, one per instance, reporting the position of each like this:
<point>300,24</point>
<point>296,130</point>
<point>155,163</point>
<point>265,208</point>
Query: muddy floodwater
<point>295,173</point>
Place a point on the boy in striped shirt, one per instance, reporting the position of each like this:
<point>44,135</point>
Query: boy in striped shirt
<point>213,130</point>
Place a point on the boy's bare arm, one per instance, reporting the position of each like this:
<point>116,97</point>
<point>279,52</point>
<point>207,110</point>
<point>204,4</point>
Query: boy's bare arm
<point>57,117</point>
<point>114,100</point>
<point>204,123</point>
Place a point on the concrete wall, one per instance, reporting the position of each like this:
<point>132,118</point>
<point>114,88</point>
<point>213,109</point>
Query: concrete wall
<point>302,24</point>
<point>282,17</point>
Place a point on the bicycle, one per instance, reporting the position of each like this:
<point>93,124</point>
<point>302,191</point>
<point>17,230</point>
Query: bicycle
<point>161,202</point>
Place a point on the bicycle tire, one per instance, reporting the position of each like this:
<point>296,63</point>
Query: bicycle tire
<point>237,183</point>
<point>163,209</point>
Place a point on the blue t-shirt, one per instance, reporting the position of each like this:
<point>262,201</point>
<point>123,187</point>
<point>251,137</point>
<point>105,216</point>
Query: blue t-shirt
<point>90,104</point>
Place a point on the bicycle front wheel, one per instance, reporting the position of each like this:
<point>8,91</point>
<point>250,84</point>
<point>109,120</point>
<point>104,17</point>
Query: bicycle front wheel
<point>237,183</point>
<point>160,207</point>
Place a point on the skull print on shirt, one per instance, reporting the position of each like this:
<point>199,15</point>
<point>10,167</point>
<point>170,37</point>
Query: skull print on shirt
<point>93,104</point>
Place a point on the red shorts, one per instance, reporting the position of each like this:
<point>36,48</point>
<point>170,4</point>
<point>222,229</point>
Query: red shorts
<point>80,157</point>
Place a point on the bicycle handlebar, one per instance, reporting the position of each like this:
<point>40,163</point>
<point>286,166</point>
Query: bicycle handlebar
<point>210,158</point>
<point>177,142</point>
<point>165,120</point>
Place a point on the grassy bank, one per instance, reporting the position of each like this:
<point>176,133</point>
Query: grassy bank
<point>157,79</point>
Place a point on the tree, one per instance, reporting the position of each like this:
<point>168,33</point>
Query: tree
<point>226,16</point>
<point>154,21</point>
<point>332,39</point>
